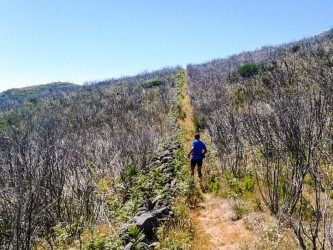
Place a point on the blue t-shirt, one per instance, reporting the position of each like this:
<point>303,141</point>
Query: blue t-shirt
<point>198,147</point>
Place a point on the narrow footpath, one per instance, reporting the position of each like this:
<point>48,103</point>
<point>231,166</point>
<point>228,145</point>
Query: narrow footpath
<point>212,219</point>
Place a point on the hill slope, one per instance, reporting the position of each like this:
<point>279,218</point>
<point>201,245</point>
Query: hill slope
<point>19,95</point>
<point>77,163</point>
<point>270,121</point>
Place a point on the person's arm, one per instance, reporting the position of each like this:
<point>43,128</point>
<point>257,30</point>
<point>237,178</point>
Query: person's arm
<point>205,150</point>
<point>189,154</point>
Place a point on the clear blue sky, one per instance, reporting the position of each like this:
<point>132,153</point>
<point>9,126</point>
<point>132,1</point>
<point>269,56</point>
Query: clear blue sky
<point>44,41</point>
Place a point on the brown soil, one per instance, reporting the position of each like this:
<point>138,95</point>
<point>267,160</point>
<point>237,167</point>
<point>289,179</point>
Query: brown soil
<point>215,219</point>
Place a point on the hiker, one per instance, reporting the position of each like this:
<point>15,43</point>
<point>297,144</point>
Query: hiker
<point>197,153</point>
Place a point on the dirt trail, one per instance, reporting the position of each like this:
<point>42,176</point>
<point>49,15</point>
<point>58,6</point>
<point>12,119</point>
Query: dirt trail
<point>215,219</point>
<point>212,220</point>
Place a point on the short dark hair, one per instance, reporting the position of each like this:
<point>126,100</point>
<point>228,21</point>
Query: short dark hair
<point>197,136</point>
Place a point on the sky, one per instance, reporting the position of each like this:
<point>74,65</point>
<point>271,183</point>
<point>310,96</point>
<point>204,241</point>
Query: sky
<point>43,41</point>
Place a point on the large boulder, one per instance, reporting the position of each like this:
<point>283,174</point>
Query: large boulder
<point>162,212</point>
<point>156,201</point>
<point>147,222</point>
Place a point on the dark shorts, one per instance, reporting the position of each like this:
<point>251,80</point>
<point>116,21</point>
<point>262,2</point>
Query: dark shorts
<point>196,162</point>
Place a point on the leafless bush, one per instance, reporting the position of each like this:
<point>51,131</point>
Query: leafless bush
<point>53,152</point>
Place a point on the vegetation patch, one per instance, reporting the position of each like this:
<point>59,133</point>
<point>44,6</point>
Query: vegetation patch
<point>248,70</point>
<point>152,82</point>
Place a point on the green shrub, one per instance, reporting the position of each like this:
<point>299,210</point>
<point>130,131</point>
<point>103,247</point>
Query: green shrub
<point>180,113</point>
<point>152,82</point>
<point>265,80</point>
<point>197,123</point>
<point>309,181</point>
<point>248,70</point>
<point>135,233</point>
<point>129,172</point>
<point>235,188</point>
<point>192,194</point>
<point>257,204</point>
<point>233,184</point>
<point>283,187</point>
<point>66,233</point>
<point>239,186</point>
<point>295,47</point>
<point>239,210</point>
<point>228,176</point>
<point>214,186</point>
<point>238,96</point>
<point>178,162</point>
<point>248,183</point>
<point>103,242</point>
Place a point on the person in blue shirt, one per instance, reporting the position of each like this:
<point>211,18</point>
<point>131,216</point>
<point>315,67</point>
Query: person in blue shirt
<point>197,153</point>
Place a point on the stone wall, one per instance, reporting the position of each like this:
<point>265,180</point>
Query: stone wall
<point>156,209</point>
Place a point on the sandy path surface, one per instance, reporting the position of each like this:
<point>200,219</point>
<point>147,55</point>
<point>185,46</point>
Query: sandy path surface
<point>214,218</point>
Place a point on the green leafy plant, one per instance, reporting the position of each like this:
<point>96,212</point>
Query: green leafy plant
<point>248,70</point>
<point>234,187</point>
<point>238,96</point>
<point>239,210</point>
<point>309,181</point>
<point>295,47</point>
<point>257,204</point>
<point>64,234</point>
<point>193,194</point>
<point>103,242</point>
<point>128,174</point>
<point>197,123</point>
<point>248,184</point>
<point>214,185</point>
<point>180,113</point>
<point>135,233</point>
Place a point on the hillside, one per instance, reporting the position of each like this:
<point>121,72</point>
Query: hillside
<point>270,122</point>
<point>16,96</point>
<point>75,156</point>
<point>103,166</point>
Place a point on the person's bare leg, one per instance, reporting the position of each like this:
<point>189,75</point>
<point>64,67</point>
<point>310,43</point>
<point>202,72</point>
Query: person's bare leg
<point>200,175</point>
<point>192,169</point>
